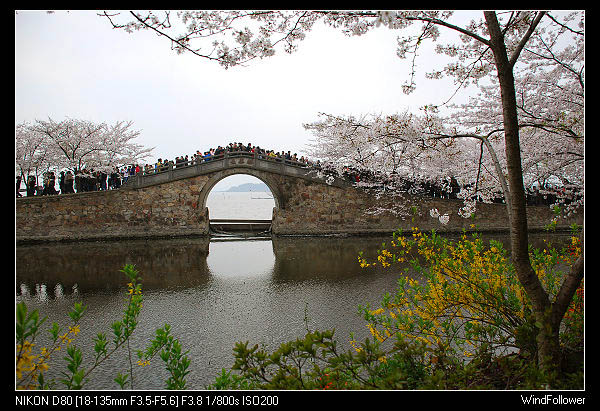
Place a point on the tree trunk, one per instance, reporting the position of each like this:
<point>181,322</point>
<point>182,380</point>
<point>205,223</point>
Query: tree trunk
<point>547,339</point>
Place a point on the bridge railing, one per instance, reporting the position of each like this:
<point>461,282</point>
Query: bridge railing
<point>173,171</point>
<point>230,154</point>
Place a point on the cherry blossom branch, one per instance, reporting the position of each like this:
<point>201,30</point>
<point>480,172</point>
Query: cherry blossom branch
<point>517,52</point>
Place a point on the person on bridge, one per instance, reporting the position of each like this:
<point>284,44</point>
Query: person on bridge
<point>31,183</point>
<point>67,187</point>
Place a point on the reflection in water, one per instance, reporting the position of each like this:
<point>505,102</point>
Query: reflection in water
<point>95,265</point>
<point>40,292</point>
<point>213,294</point>
<point>58,291</point>
<point>227,260</point>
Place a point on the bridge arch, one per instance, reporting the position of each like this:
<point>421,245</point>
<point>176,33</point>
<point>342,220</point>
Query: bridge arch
<point>172,202</point>
<point>266,178</point>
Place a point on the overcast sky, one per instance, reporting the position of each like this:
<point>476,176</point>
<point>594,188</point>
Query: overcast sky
<point>74,64</point>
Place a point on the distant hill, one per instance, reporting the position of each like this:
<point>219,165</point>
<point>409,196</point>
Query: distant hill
<point>247,187</point>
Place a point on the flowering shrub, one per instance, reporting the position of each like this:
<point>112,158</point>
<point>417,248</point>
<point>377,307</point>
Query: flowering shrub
<point>30,367</point>
<point>315,362</point>
<point>573,322</point>
<point>462,297</point>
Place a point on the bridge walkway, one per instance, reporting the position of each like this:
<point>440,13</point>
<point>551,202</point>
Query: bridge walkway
<point>221,162</point>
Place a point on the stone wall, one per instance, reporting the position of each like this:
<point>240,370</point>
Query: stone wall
<point>171,209</point>
<point>305,207</point>
<point>313,208</point>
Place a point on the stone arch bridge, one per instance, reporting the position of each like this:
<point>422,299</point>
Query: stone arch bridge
<point>173,203</point>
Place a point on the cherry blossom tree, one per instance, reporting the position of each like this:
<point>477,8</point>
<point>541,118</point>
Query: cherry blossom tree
<point>76,145</point>
<point>33,155</point>
<point>525,126</point>
<point>396,154</point>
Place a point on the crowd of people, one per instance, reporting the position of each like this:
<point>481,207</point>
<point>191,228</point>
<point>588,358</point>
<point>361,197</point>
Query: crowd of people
<point>70,183</point>
<point>90,180</point>
<point>230,149</point>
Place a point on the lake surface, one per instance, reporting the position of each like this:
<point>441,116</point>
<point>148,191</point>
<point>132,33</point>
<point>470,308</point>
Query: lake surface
<point>213,293</point>
<point>243,205</point>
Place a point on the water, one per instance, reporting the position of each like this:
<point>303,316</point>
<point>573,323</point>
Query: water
<point>242,205</point>
<point>213,293</point>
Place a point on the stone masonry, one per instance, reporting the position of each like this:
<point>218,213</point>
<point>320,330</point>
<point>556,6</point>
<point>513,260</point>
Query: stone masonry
<point>313,208</point>
<point>303,207</point>
<point>170,209</point>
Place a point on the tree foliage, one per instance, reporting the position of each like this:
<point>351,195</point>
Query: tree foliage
<point>75,144</point>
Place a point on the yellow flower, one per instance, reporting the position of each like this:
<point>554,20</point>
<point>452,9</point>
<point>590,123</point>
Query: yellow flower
<point>374,332</point>
<point>42,366</point>
<point>353,344</point>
